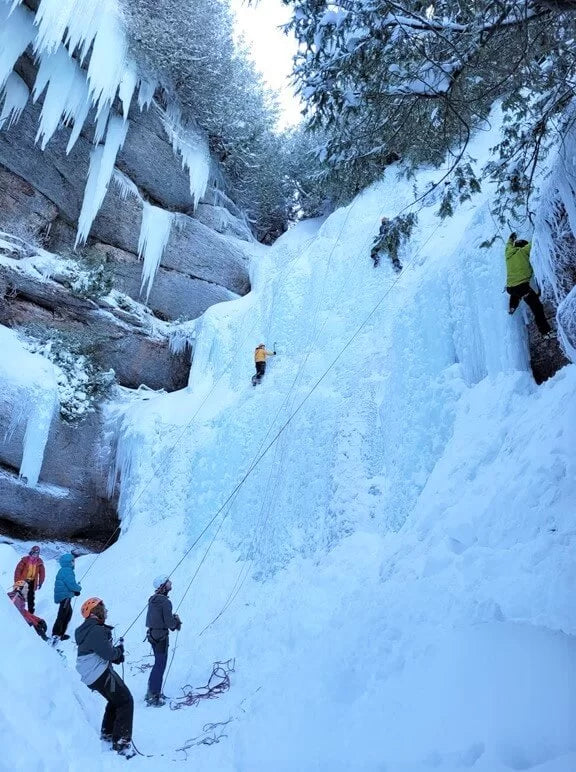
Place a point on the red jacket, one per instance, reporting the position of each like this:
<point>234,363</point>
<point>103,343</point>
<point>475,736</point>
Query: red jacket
<point>30,569</point>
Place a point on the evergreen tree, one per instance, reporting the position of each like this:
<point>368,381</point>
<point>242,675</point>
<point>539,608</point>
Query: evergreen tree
<point>411,80</point>
<point>189,45</point>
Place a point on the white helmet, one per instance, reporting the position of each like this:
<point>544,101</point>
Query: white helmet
<point>160,580</point>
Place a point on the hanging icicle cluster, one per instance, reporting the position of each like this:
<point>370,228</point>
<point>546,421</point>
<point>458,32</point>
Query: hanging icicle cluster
<point>84,65</point>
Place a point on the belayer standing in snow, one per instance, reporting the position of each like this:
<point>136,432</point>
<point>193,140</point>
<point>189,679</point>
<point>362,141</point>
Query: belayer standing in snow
<point>379,245</point>
<point>518,274</point>
<point>260,356</point>
<point>159,621</point>
<point>96,655</point>
<point>65,588</point>
<point>30,569</point>
<point>17,596</point>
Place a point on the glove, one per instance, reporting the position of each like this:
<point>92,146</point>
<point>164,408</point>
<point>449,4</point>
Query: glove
<point>76,594</point>
<point>39,586</point>
<point>120,658</point>
<point>274,353</point>
<point>178,622</point>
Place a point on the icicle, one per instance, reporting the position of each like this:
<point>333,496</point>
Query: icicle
<point>146,89</point>
<point>127,88</point>
<point>15,97</point>
<point>125,185</point>
<point>108,59</point>
<point>101,125</point>
<point>86,25</point>
<point>154,235</point>
<point>66,95</point>
<point>182,340</point>
<point>101,168</point>
<point>52,19</point>
<point>16,33</point>
<point>78,108</point>
<point>45,406</point>
<point>193,150</point>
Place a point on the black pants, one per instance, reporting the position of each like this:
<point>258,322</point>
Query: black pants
<point>119,713</point>
<point>526,293</point>
<point>260,370</point>
<point>160,649</point>
<point>63,618</point>
<point>31,595</point>
<point>394,259</point>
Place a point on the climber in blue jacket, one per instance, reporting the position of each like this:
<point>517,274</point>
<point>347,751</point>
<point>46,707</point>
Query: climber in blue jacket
<point>65,588</point>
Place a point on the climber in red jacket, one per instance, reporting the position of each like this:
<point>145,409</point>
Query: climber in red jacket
<point>31,570</point>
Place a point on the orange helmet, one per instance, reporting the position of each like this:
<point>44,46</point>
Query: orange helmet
<point>89,605</point>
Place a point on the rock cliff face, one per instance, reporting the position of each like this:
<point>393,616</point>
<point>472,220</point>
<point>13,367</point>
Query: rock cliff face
<point>204,261</point>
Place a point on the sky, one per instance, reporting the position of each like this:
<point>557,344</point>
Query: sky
<point>272,50</point>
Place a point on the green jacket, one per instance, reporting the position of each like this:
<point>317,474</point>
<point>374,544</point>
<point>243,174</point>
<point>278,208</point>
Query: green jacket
<point>518,268</point>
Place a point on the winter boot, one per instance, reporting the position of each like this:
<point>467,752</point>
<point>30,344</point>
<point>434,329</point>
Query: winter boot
<point>155,700</point>
<point>124,748</point>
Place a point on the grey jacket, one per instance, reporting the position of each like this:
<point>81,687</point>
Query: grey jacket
<point>160,618</point>
<point>95,650</point>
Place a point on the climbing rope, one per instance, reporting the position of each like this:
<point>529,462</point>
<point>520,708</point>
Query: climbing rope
<point>218,683</point>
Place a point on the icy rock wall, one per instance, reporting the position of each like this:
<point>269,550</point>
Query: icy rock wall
<point>73,112</point>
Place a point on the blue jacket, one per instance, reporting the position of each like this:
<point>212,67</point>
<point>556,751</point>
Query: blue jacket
<point>66,585</point>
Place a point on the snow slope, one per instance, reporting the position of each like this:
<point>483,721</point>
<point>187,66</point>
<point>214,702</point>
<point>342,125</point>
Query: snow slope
<point>395,576</point>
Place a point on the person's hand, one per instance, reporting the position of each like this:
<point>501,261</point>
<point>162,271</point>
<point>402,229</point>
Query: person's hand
<point>178,621</point>
<point>39,586</point>
<point>76,593</point>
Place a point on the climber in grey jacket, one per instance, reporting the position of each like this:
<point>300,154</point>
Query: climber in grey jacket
<point>96,654</point>
<point>159,621</point>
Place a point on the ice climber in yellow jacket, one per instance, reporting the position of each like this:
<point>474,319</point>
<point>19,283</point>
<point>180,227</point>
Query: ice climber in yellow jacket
<point>260,356</point>
<point>518,275</point>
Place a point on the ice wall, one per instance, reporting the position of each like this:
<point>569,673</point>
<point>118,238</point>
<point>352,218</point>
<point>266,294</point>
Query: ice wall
<point>400,353</point>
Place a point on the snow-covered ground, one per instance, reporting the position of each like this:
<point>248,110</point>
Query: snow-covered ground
<point>395,575</point>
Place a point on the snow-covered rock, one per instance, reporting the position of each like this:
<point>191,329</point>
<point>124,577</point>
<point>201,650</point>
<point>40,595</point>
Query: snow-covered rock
<point>132,346</point>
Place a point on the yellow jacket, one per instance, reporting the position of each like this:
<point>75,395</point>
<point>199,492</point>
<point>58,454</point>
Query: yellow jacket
<point>261,353</point>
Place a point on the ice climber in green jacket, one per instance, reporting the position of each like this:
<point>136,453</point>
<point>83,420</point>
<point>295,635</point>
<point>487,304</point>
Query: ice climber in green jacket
<point>518,275</point>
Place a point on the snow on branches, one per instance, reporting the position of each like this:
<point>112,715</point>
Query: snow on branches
<point>386,78</point>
